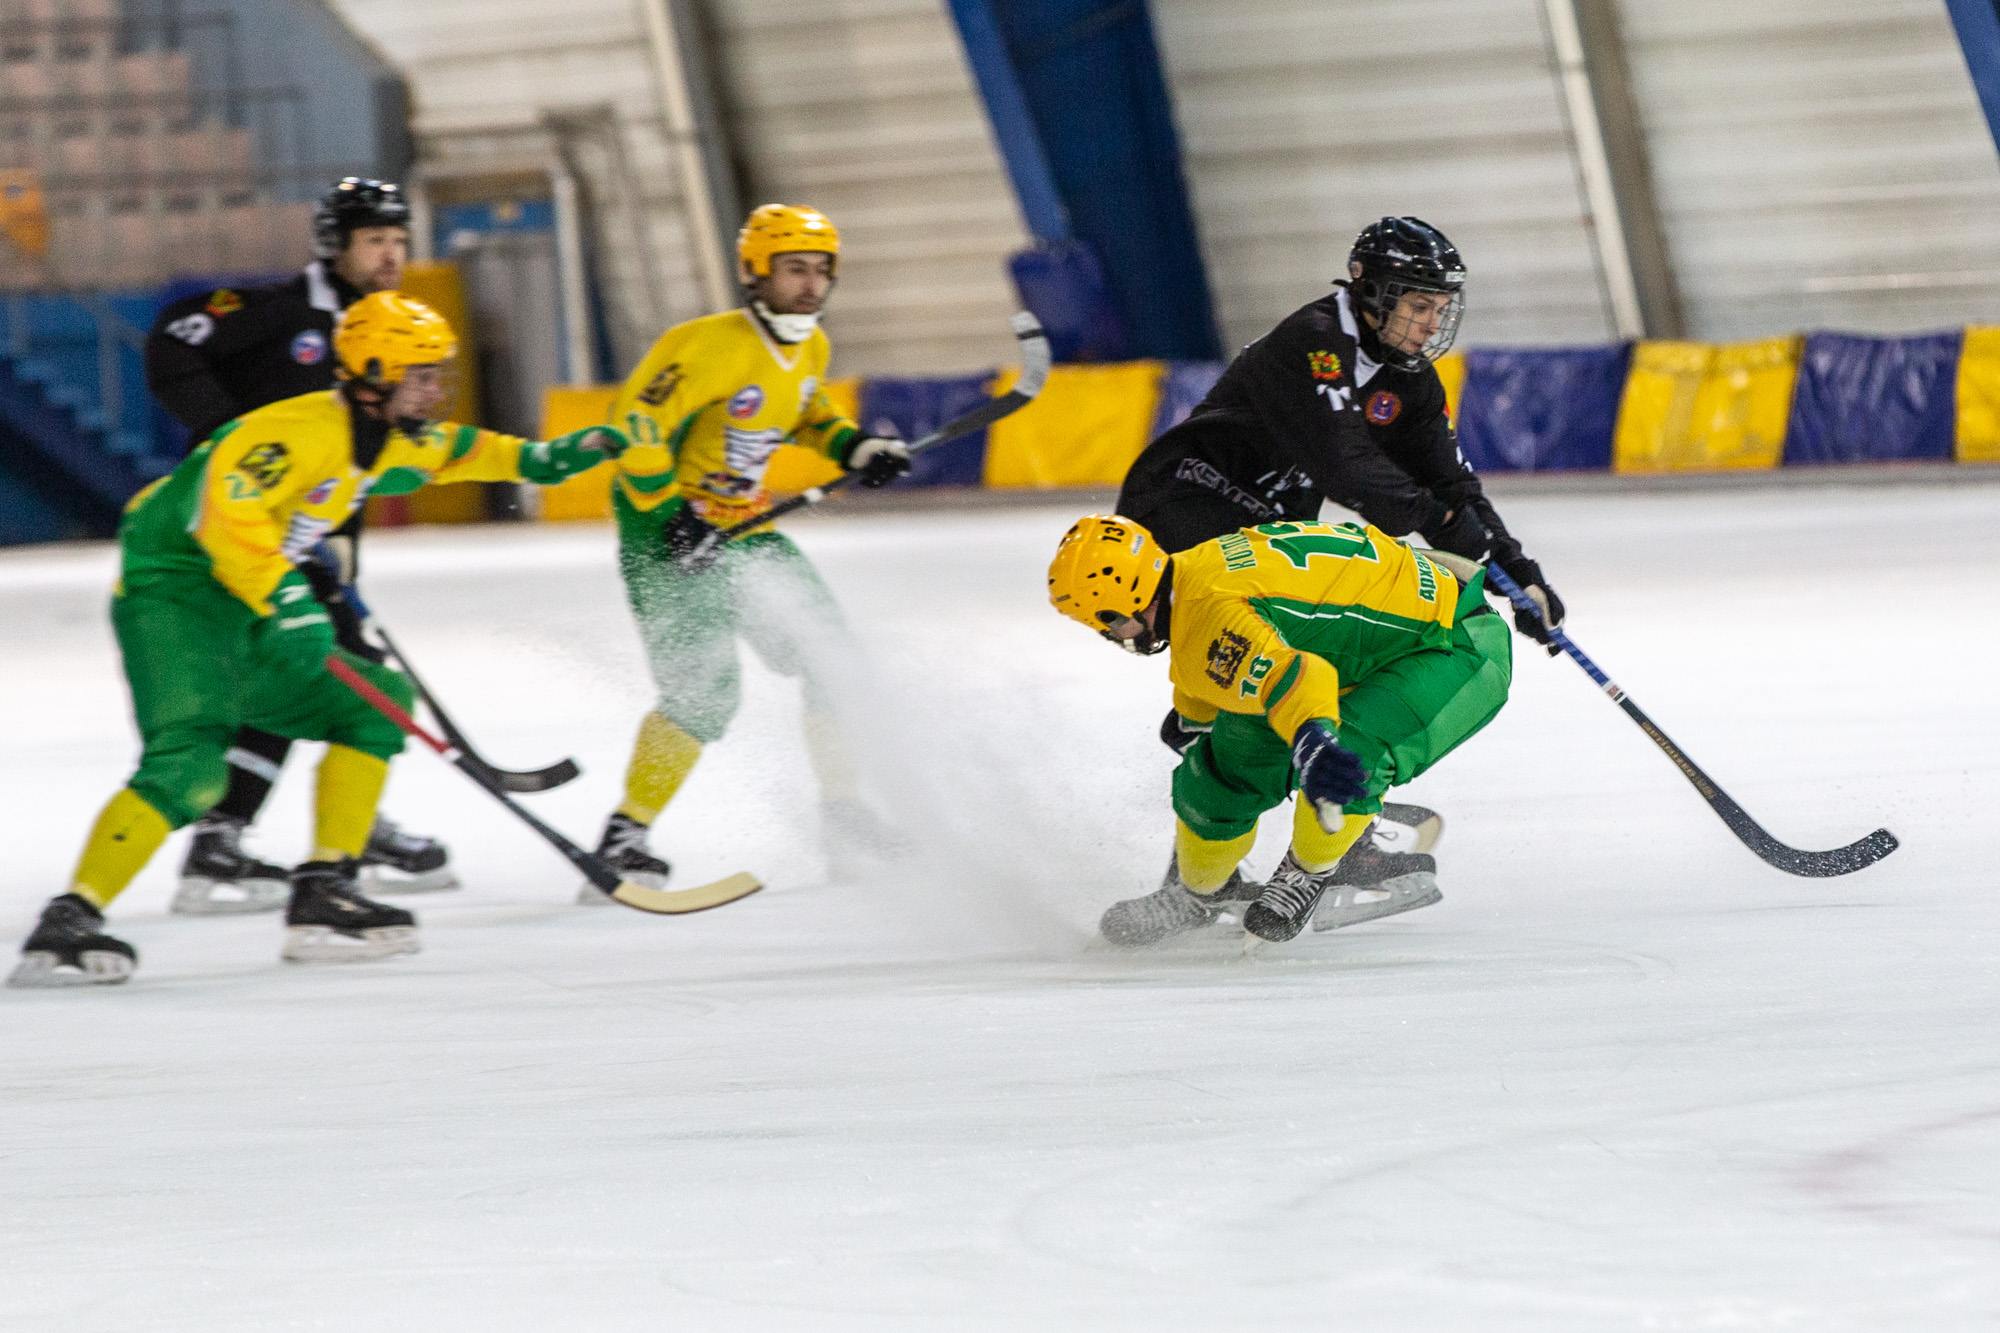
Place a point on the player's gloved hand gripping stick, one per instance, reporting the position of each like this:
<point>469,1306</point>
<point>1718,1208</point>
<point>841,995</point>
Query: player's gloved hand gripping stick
<point>1839,861</point>
<point>1034,370</point>
<point>665,902</point>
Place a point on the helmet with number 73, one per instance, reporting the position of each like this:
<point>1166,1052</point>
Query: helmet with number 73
<point>1106,571</point>
<point>383,334</point>
<point>783,229</point>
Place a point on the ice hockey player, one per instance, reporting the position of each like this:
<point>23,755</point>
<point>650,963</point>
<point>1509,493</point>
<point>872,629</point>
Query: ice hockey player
<point>209,359</point>
<point>1341,402</point>
<point>1330,658</point>
<point>218,629</point>
<point>706,408</point>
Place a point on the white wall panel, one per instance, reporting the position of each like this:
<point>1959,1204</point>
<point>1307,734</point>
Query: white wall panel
<point>1304,120</point>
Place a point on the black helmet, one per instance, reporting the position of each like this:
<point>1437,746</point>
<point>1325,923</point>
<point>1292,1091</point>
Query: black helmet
<point>356,201</point>
<point>1398,255</point>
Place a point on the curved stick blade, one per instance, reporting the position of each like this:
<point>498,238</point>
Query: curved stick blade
<point>697,898</point>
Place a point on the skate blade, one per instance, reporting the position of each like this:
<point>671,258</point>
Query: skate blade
<point>1351,904</point>
<point>589,895</point>
<point>41,970</point>
<point>387,879</point>
<point>228,897</point>
<point>679,902</point>
<point>324,944</point>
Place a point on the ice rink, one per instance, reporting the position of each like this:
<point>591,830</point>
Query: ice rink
<point>1624,1076</point>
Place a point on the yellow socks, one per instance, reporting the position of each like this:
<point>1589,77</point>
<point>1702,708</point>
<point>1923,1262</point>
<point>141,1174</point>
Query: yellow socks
<point>662,757</point>
<point>349,788</point>
<point>1313,847</point>
<point>123,839</point>
<point>1204,865</point>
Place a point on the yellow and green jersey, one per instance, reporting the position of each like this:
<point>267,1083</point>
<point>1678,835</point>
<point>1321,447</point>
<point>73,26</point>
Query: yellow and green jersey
<point>254,497</point>
<point>706,409</point>
<point>1277,620</point>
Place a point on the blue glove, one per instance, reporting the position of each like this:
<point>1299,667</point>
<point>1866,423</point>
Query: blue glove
<point>1330,775</point>
<point>297,637</point>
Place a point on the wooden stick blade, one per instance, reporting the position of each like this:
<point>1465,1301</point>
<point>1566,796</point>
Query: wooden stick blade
<point>696,898</point>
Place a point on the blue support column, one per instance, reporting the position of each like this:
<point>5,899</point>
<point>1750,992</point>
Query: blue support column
<point>1079,104</point>
<point>1978,24</point>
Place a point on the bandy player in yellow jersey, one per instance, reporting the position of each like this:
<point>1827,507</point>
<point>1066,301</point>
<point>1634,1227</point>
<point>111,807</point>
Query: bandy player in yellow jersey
<point>706,409</point>
<point>1328,658</point>
<point>220,630</point>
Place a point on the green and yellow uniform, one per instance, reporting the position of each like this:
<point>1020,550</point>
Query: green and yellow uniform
<point>206,583</point>
<point>706,408</point>
<point>1280,625</point>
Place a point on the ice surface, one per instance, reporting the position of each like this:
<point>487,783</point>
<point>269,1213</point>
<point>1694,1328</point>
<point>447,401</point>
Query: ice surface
<point>1624,1076</point>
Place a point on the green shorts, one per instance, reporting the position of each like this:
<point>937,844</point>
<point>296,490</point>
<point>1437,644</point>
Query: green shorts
<point>1400,720</point>
<point>763,591</point>
<point>197,675</point>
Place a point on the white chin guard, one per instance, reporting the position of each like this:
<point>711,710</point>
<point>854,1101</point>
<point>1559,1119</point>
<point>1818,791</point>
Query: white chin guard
<point>787,329</point>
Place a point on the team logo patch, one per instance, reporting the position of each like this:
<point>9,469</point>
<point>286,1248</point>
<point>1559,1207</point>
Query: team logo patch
<point>1325,366</point>
<point>1226,652</point>
<point>661,387</point>
<point>323,492</point>
<point>224,302</point>
<point>746,403</point>
<point>309,348</point>
<point>1384,407</point>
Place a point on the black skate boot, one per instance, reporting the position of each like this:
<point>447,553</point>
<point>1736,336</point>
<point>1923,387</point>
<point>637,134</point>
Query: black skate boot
<point>1287,902</point>
<point>1170,910</point>
<point>623,848</point>
<point>220,878</point>
<point>328,921</point>
<point>399,862</point>
<point>1370,884</point>
<point>1406,828</point>
<point>67,948</point>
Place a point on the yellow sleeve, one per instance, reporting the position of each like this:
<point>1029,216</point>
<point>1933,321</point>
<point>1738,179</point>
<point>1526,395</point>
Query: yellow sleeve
<point>657,405</point>
<point>1225,658</point>
<point>246,482</point>
<point>480,455</point>
<point>822,427</point>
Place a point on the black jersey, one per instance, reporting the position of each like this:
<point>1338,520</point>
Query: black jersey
<point>212,357</point>
<point>1304,415</point>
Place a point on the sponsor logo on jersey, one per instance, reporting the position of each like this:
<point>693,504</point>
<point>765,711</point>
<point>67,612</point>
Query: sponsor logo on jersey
<point>1226,652</point>
<point>309,348</point>
<point>323,492</point>
<point>302,534</point>
<point>746,402</point>
<point>224,302</point>
<point>747,451</point>
<point>1383,407</point>
<point>192,329</point>
<point>1325,365</point>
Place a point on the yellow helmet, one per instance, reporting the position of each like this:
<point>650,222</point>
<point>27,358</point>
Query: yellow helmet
<point>782,229</point>
<point>385,333</point>
<point>1106,569</point>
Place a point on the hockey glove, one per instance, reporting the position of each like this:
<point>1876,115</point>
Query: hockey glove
<point>879,459</point>
<point>1330,775</point>
<point>297,635</point>
<point>1177,734</point>
<point>546,462</point>
<point>321,567</point>
<point>1458,531</point>
<point>692,544</point>
<point>1529,575</point>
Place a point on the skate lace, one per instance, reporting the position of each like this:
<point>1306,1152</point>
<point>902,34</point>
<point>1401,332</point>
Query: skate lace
<point>226,832</point>
<point>1291,890</point>
<point>622,837</point>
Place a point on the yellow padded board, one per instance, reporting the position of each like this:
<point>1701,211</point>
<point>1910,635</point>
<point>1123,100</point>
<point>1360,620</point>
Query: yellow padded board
<point>1706,407</point>
<point>1083,429</point>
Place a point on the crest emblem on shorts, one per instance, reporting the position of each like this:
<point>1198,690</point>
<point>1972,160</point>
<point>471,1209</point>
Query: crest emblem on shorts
<point>1325,366</point>
<point>1226,652</point>
<point>1383,407</point>
<point>746,402</point>
<point>309,347</point>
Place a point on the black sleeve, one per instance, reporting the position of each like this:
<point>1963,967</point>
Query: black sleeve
<point>1427,447</point>
<point>186,344</point>
<point>1328,443</point>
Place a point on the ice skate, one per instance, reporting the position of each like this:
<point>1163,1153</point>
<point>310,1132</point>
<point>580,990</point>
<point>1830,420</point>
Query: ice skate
<point>328,921</point>
<point>67,948</point>
<point>1370,884</point>
<point>399,862</point>
<point>1406,828</point>
<point>220,878</point>
<point>623,848</point>
<point>1287,903</point>
<point>1170,910</point>
<point>858,841</point>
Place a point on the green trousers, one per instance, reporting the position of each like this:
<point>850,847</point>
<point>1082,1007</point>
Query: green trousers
<point>1400,720</point>
<point>198,672</point>
<point>762,590</point>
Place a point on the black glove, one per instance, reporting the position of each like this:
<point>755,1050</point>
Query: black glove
<point>879,459</point>
<point>1330,775</point>
<point>1458,532</point>
<point>1177,735</point>
<point>343,604</point>
<point>1529,575</point>
<point>692,543</point>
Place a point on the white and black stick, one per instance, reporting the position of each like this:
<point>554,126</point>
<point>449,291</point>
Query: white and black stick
<point>516,780</point>
<point>662,902</point>
<point>1792,860</point>
<point>1034,370</point>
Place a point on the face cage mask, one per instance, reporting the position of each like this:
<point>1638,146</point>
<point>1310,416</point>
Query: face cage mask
<point>1143,644</point>
<point>1386,295</point>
